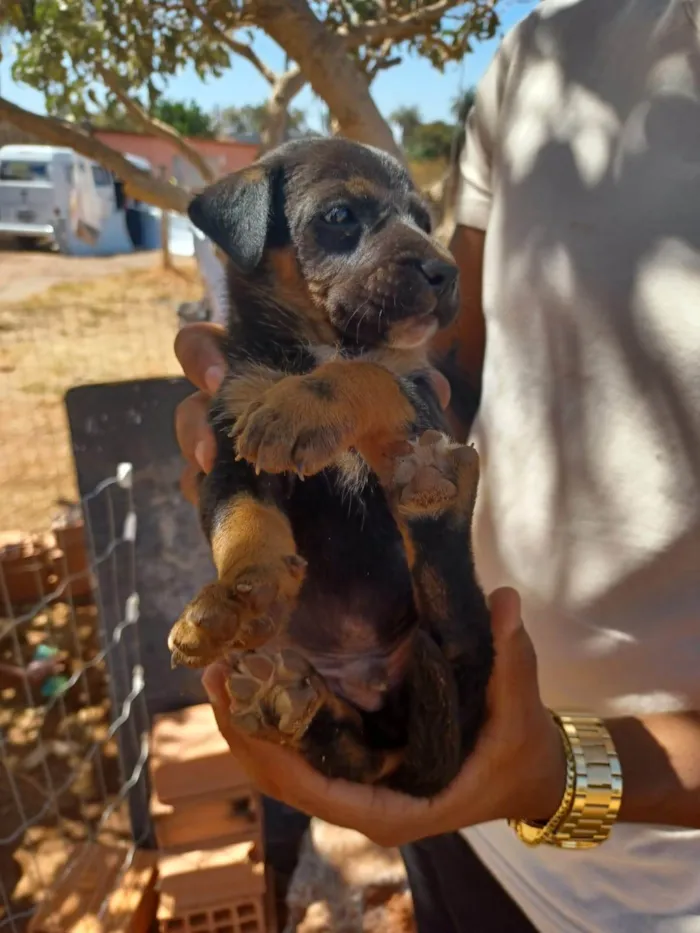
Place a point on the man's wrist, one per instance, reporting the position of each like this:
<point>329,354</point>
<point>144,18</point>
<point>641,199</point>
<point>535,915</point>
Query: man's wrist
<point>544,785</point>
<point>591,801</point>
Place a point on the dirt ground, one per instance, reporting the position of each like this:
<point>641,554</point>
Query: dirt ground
<point>24,273</point>
<point>100,320</point>
<point>117,326</point>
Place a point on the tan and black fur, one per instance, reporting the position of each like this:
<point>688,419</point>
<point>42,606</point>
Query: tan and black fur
<point>337,511</point>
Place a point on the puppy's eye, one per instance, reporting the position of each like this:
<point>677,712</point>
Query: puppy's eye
<point>339,217</point>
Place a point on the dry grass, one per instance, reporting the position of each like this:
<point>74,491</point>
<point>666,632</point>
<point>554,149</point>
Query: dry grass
<point>425,174</point>
<point>109,329</point>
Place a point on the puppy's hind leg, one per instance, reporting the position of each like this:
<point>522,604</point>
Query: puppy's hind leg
<point>259,572</point>
<point>280,697</point>
<point>432,493</point>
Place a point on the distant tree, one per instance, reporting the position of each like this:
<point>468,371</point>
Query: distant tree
<point>423,142</point>
<point>462,104</point>
<point>408,119</point>
<point>461,108</point>
<point>187,118</point>
<point>430,141</point>
<point>253,120</point>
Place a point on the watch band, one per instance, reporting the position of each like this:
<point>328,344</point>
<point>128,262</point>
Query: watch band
<point>591,802</point>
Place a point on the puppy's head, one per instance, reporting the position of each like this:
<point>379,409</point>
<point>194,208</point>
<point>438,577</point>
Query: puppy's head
<point>338,231</point>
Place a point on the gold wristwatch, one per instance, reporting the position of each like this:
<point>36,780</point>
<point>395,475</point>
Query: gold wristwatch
<point>593,794</point>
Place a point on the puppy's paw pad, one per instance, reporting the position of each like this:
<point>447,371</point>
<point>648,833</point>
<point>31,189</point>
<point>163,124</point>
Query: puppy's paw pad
<point>238,613</point>
<point>274,695</point>
<point>207,627</point>
<point>435,476</point>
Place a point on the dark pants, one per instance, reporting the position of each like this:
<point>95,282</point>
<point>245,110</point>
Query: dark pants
<point>454,893</point>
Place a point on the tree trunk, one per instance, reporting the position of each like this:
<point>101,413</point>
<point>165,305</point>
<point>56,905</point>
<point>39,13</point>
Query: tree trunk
<point>281,96</point>
<point>322,57</point>
<point>142,185</point>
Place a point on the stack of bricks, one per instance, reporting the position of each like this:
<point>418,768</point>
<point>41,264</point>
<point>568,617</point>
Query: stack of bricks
<point>208,825</point>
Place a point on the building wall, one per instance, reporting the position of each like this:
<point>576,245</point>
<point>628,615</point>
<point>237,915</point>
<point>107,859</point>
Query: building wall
<point>224,156</point>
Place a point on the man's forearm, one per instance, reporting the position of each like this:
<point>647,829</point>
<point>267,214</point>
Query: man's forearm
<point>468,332</point>
<point>660,757</point>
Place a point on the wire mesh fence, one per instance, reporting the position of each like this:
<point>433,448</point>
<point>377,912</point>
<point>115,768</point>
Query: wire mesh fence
<point>73,713</point>
<point>73,745</point>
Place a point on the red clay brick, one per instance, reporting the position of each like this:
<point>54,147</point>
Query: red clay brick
<point>197,878</point>
<point>227,817</point>
<point>189,756</point>
<point>241,915</point>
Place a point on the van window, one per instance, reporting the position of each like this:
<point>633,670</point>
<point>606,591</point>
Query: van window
<point>24,171</point>
<point>101,176</point>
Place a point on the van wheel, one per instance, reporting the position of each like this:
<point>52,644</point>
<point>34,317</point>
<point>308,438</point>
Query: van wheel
<point>27,242</point>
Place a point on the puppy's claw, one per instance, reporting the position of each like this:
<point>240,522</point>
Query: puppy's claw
<point>297,565</point>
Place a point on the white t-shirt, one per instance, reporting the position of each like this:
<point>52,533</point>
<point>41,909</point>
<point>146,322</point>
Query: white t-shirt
<point>582,163</point>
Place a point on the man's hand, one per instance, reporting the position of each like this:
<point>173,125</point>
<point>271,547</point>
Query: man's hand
<point>198,349</point>
<point>517,769</point>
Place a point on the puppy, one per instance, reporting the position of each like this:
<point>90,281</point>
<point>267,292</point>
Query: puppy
<point>337,511</point>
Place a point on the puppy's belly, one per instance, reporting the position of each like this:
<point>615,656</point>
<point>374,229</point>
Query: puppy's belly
<point>348,653</point>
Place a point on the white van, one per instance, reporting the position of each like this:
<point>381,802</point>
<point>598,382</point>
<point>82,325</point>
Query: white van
<point>35,190</point>
<point>41,187</point>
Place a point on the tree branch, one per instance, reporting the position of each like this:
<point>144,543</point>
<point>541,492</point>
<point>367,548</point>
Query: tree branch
<point>143,185</point>
<point>397,28</point>
<point>157,127</point>
<point>334,76</point>
<point>383,60</point>
<point>285,88</point>
<point>238,48</point>
<point>288,85</point>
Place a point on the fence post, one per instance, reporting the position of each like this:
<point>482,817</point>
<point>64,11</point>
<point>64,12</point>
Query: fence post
<point>165,229</point>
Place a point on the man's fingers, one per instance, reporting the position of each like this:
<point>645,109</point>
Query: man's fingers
<point>504,604</point>
<point>282,773</point>
<point>441,387</point>
<point>277,771</point>
<point>189,485</point>
<point>194,435</point>
<point>198,348</point>
<point>514,679</point>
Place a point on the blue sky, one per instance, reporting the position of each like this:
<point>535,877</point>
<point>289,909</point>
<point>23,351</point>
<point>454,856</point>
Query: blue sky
<point>414,82</point>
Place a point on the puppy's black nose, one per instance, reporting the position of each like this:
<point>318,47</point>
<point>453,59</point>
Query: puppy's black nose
<point>441,275</point>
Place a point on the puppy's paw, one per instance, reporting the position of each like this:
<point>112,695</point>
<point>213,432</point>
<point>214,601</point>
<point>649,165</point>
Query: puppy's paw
<point>296,427</point>
<point>275,695</point>
<point>238,613</point>
<point>436,477</point>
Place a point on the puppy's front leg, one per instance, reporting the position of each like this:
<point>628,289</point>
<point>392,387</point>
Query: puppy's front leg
<point>303,423</point>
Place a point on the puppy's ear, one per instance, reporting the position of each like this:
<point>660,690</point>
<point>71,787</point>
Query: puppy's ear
<point>236,213</point>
